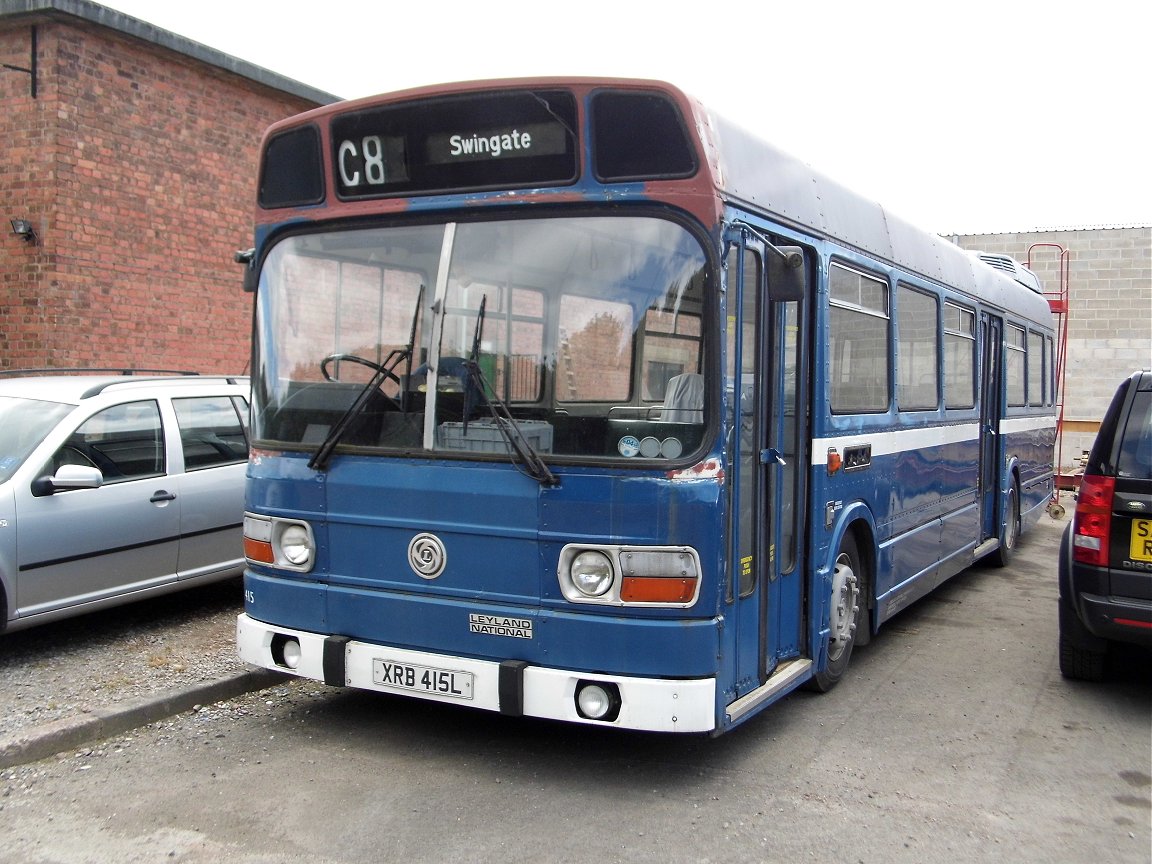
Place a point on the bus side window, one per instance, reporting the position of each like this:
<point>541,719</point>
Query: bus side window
<point>959,357</point>
<point>917,336</point>
<point>858,334</point>
<point>1014,363</point>
<point>1036,366</point>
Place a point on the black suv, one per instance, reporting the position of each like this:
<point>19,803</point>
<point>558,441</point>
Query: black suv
<point>1106,552</point>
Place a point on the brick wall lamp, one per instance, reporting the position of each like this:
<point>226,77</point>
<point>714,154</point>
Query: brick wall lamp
<point>23,228</point>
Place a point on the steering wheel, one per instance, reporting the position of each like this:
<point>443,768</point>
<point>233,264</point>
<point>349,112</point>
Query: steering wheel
<point>388,374</point>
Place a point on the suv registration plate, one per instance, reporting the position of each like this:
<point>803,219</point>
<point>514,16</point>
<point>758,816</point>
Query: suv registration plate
<point>1140,542</point>
<point>422,679</point>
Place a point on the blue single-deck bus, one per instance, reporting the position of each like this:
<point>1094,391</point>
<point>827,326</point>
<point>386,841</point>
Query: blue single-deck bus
<point>572,400</point>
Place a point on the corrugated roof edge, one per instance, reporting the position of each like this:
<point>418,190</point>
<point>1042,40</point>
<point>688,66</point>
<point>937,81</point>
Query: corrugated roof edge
<point>105,17</point>
<point>1120,226</point>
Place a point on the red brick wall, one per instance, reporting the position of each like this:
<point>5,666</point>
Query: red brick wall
<point>138,167</point>
<point>25,130</point>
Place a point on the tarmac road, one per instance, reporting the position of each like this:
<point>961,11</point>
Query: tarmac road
<point>953,738</point>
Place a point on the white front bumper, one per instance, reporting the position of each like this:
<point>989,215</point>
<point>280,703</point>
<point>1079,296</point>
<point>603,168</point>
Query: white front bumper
<point>648,704</point>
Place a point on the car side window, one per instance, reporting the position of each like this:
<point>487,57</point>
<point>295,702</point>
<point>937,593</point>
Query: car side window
<point>126,442</point>
<point>211,431</point>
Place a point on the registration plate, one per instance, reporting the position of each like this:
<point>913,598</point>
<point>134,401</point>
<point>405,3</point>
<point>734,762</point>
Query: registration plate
<point>422,679</point>
<point>1140,543</point>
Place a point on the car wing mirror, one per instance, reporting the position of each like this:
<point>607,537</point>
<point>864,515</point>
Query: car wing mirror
<point>68,477</point>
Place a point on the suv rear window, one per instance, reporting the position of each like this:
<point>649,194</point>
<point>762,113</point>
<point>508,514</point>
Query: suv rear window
<point>1135,457</point>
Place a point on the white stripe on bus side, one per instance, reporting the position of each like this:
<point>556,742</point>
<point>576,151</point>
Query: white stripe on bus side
<point>905,440</point>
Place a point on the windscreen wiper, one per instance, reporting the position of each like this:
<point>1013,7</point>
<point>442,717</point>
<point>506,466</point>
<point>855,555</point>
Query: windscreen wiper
<point>384,371</point>
<point>411,350</point>
<point>531,462</point>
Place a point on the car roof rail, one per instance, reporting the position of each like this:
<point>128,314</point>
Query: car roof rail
<point>92,370</point>
<point>152,379</point>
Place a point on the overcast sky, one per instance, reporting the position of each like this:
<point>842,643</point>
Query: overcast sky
<point>965,117</point>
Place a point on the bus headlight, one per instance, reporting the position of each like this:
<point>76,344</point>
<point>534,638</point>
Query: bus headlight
<point>284,543</point>
<point>591,573</point>
<point>296,545</point>
<point>613,575</point>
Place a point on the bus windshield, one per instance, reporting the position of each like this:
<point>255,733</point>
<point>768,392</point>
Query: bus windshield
<point>589,332</point>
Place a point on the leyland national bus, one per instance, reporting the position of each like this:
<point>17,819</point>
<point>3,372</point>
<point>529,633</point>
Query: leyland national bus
<point>572,400</point>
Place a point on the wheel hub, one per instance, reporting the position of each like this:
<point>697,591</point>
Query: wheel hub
<point>845,604</point>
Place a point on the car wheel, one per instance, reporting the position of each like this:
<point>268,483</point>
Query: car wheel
<point>1082,653</point>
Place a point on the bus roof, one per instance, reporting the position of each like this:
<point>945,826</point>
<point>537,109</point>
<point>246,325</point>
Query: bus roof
<point>756,174</point>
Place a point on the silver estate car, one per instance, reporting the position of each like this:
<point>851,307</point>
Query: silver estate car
<point>116,488</point>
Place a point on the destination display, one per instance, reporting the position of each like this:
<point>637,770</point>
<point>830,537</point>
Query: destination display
<point>472,142</point>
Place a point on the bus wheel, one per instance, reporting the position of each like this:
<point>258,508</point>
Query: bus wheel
<point>844,616</point>
<point>1010,535</point>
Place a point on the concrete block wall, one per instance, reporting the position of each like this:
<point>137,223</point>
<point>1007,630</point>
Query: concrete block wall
<point>1108,272</point>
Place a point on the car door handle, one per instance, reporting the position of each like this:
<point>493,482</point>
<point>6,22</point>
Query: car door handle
<point>162,495</point>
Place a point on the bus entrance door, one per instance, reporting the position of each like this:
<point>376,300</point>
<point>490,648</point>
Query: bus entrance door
<point>991,394</point>
<point>766,586</point>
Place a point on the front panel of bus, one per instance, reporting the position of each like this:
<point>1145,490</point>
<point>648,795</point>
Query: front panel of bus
<point>502,492</point>
<point>488,443</point>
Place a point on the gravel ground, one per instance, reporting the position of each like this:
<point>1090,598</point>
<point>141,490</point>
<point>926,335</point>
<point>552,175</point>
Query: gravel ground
<point>94,661</point>
<point>205,727</point>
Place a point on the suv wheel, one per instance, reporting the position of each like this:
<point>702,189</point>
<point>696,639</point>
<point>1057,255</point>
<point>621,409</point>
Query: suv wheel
<point>1082,653</point>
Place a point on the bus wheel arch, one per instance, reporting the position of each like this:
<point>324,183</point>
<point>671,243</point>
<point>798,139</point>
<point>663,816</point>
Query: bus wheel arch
<point>849,602</point>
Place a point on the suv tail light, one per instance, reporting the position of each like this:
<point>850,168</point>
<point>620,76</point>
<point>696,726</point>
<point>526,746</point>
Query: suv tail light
<point>1093,521</point>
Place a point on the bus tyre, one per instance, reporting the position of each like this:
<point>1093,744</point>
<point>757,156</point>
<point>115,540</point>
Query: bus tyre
<point>845,614</point>
<point>1010,533</point>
